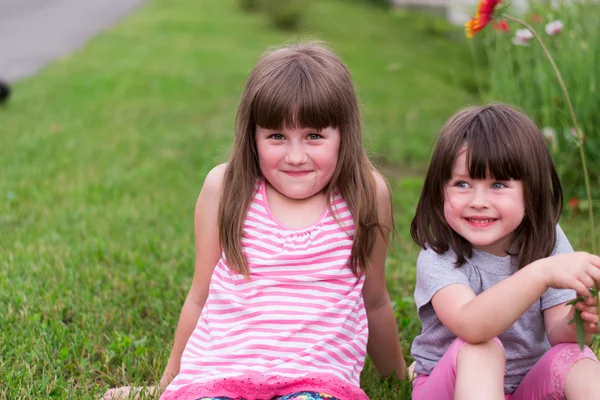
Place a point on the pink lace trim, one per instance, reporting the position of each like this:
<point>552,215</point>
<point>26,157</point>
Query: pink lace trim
<point>563,361</point>
<point>264,387</point>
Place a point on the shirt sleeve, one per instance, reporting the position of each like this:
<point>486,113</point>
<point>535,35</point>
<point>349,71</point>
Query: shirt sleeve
<point>434,272</point>
<point>553,297</point>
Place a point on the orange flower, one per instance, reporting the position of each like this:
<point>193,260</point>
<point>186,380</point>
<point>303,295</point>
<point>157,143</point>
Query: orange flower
<point>573,202</point>
<point>485,13</point>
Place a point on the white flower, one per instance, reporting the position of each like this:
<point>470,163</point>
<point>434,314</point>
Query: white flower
<point>522,37</point>
<point>554,28</point>
<point>549,133</point>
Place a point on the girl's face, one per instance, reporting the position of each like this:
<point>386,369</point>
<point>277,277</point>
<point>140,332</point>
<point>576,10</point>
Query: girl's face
<point>298,162</point>
<point>485,212</point>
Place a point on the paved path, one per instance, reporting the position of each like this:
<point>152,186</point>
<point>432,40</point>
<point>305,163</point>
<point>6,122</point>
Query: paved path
<point>35,32</point>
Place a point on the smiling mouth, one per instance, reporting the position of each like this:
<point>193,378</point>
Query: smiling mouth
<point>479,221</point>
<point>297,173</point>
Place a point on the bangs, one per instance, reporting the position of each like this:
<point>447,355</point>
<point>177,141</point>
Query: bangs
<point>296,98</point>
<point>491,151</point>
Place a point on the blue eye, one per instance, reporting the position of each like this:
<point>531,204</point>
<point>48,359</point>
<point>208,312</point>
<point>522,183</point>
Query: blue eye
<point>276,136</point>
<point>461,184</point>
<point>314,136</point>
<point>498,185</point>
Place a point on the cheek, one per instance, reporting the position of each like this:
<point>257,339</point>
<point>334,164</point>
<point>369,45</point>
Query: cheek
<point>268,156</point>
<point>449,202</point>
<point>324,158</point>
<point>448,210</point>
<point>515,205</point>
<point>521,211</point>
<point>331,161</point>
<point>331,155</point>
<point>452,211</point>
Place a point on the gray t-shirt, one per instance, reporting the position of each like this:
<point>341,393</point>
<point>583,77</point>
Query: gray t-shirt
<point>524,342</point>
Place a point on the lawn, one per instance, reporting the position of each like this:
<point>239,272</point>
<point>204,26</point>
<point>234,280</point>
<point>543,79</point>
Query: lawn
<point>104,152</point>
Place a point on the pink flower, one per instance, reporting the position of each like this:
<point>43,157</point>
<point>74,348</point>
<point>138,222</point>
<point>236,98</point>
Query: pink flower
<point>522,37</point>
<point>554,28</point>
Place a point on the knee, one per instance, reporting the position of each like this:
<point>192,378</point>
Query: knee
<point>490,351</point>
<point>568,353</point>
<point>579,376</point>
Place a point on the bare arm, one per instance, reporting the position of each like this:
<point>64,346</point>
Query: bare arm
<point>208,252</point>
<point>383,345</point>
<point>557,318</point>
<point>480,318</point>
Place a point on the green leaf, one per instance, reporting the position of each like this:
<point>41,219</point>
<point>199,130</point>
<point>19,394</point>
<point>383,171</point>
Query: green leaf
<point>578,323</point>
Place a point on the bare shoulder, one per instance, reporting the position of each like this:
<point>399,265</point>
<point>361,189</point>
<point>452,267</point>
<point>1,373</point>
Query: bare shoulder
<point>210,195</point>
<point>214,179</point>
<point>382,189</point>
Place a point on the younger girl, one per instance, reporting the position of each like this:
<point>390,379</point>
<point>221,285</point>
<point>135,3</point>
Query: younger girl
<point>496,270</point>
<point>289,289</point>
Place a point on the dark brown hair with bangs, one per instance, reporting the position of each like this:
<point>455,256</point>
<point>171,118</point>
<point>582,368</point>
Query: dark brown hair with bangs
<point>505,144</point>
<point>298,86</point>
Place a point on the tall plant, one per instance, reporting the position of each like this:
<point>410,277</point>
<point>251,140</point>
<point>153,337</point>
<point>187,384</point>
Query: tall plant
<point>494,11</point>
<point>519,73</point>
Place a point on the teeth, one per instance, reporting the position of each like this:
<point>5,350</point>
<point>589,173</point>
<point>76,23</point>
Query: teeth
<point>480,221</point>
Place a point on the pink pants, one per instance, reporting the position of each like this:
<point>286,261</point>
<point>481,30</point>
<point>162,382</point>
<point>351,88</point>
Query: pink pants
<point>545,380</point>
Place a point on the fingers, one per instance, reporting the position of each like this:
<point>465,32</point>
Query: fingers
<point>590,327</point>
<point>594,273</point>
<point>589,314</point>
<point>594,260</point>
<point>581,288</point>
<point>590,301</point>
<point>588,282</point>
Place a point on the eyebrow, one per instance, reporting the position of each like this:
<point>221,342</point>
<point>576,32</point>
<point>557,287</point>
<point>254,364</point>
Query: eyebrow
<point>306,128</point>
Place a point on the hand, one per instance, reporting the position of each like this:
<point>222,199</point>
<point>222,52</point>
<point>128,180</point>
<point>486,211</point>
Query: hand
<point>128,392</point>
<point>589,314</point>
<point>579,271</point>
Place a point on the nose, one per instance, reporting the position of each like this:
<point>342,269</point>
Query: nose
<point>478,198</point>
<point>296,154</point>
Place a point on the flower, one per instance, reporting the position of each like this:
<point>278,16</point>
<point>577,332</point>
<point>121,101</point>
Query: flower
<point>573,202</point>
<point>522,37</point>
<point>550,135</point>
<point>501,26</point>
<point>554,28</point>
<point>573,132</point>
<point>484,14</point>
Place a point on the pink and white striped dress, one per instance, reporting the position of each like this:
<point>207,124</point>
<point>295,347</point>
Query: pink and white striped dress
<point>298,324</point>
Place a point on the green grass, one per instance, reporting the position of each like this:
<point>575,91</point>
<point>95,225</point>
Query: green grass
<point>104,152</point>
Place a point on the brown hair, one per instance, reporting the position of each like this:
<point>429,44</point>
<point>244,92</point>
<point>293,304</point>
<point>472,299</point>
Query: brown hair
<point>303,85</point>
<point>505,144</point>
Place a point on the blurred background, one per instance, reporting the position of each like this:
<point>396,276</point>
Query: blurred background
<point>118,109</point>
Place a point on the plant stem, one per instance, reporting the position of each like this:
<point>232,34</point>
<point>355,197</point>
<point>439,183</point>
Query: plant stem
<point>580,135</point>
